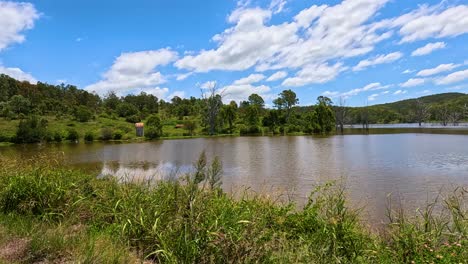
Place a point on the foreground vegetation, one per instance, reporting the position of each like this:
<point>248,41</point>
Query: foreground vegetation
<point>62,215</point>
<point>31,113</point>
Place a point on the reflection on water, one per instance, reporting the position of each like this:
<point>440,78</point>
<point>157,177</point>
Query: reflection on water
<point>413,166</point>
<point>142,172</point>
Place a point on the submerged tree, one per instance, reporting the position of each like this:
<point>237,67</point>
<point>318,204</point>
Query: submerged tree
<point>325,115</point>
<point>341,114</point>
<point>213,104</point>
<point>421,111</point>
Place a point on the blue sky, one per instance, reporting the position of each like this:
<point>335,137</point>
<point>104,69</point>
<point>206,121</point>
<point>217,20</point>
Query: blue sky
<point>364,51</point>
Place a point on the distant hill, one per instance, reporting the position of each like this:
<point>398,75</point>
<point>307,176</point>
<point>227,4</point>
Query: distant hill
<point>434,99</point>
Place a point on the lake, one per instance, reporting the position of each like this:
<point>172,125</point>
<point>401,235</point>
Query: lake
<point>412,166</point>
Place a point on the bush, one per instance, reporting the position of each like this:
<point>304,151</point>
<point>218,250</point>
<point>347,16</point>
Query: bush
<point>133,119</point>
<point>250,130</point>
<point>31,130</point>
<point>106,134</point>
<point>58,137</point>
<point>89,136</point>
<point>118,135</point>
<point>153,127</point>
<point>83,114</point>
<point>126,109</point>
<point>72,135</point>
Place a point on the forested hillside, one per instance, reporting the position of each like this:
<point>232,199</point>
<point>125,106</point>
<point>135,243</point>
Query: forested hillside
<point>44,112</point>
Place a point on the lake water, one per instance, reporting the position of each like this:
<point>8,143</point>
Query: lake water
<point>412,166</point>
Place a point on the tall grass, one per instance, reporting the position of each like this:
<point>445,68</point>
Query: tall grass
<point>68,215</point>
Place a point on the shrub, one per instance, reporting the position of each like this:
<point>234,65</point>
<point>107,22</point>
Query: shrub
<point>72,135</point>
<point>133,119</point>
<point>89,136</point>
<point>31,130</point>
<point>58,136</point>
<point>83,114</point>
<point>153,127</point>
<point>250,130</point>
<point>118,135</point>
<point>106,134</point>
<point>126,109</point>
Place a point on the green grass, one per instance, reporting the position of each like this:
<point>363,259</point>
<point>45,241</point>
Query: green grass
<point>54,214</point>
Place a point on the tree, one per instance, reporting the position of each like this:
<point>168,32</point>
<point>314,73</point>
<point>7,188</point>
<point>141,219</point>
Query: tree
<point>213,101</point>
<point>31,130</point>
<point>442,113</point>
<point>190,126</point>
<point>421,111</point>
<point>256,100</point>
<point>19,105</point>
<point>229,114</point>
<point>111,100</point>
<point>153,127</point>
<point>272,120</point>
<point>325,115</point>
<point>126,109</point>
<point>341,114</point>
<point>83,114</point>
<point>286,100</point>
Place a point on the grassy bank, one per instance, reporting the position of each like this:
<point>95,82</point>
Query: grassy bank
<point>54,214</point>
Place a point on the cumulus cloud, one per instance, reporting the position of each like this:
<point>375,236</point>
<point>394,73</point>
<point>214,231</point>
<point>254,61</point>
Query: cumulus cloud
<point>18,74</point>
<point>243,91</point>
<point>277,6</point>
<point>208,85</point>
<point>277,76</point>
<point>429,48</point>
<point>134,70</point>
<point>453,78</point>
<point>432,22</point>
<point>314,74</point>
<point>413,82</point>
<point>398,92</point>
<point>252,78</point>
<point>372,97</point>
<point>438,69</point>
<point>379,59</point>
<point>14,19</point>
<point>369,87</point>
<point>183,76</point>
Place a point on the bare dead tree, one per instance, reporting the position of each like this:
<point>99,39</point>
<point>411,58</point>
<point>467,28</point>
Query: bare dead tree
<point>214,102</point>
<point>341,114</point>
<point>443,114</point>
<point>421,111</point>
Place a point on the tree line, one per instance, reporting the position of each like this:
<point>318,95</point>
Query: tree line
<point>31,103</point>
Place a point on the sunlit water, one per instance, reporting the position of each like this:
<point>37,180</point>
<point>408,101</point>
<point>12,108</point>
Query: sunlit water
<point>412,166</point>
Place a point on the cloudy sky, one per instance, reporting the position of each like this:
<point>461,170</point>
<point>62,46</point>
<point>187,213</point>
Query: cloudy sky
<point>365,51</point>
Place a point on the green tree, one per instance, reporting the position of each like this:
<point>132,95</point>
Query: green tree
<point>20,105</point>
<point>153,127</point>
<point>229,114</point>
<point>325,115</point>
<point>287,100</point>
<point>31,130</point>
<point>83,114</point>
<point>256,100</point>
<point>126,110</point>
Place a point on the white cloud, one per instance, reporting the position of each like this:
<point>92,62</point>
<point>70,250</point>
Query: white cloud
<point>252,78</point>
<point>398,92</point>
<point>134,70</point>
<point>429,48</point>
<point>181,77</point>
<point>314,74</point>
<point>208,85</point>
<point>277,6</point>
<point>438,69</point>
<point>18,74</point>
<point>156,91</point>
<point>372,97</point>
<point>243,91</point>
<point>453,78</point>
<point>369,87</point>
<point>379,59</point>
<point>329,33</point>
<point>413,82</point>
<point>277,76</point>
<point>180,94</point>
<point>433,22</point>
<point>408,71</point>
<point>14,19</point>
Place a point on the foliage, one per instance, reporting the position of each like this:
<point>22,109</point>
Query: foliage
<point>106,133</point>
<point>153,128</point>
<point>72,135</point>
<point>89,136</point>
<point>31,130</point>
<point>83,114</point>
